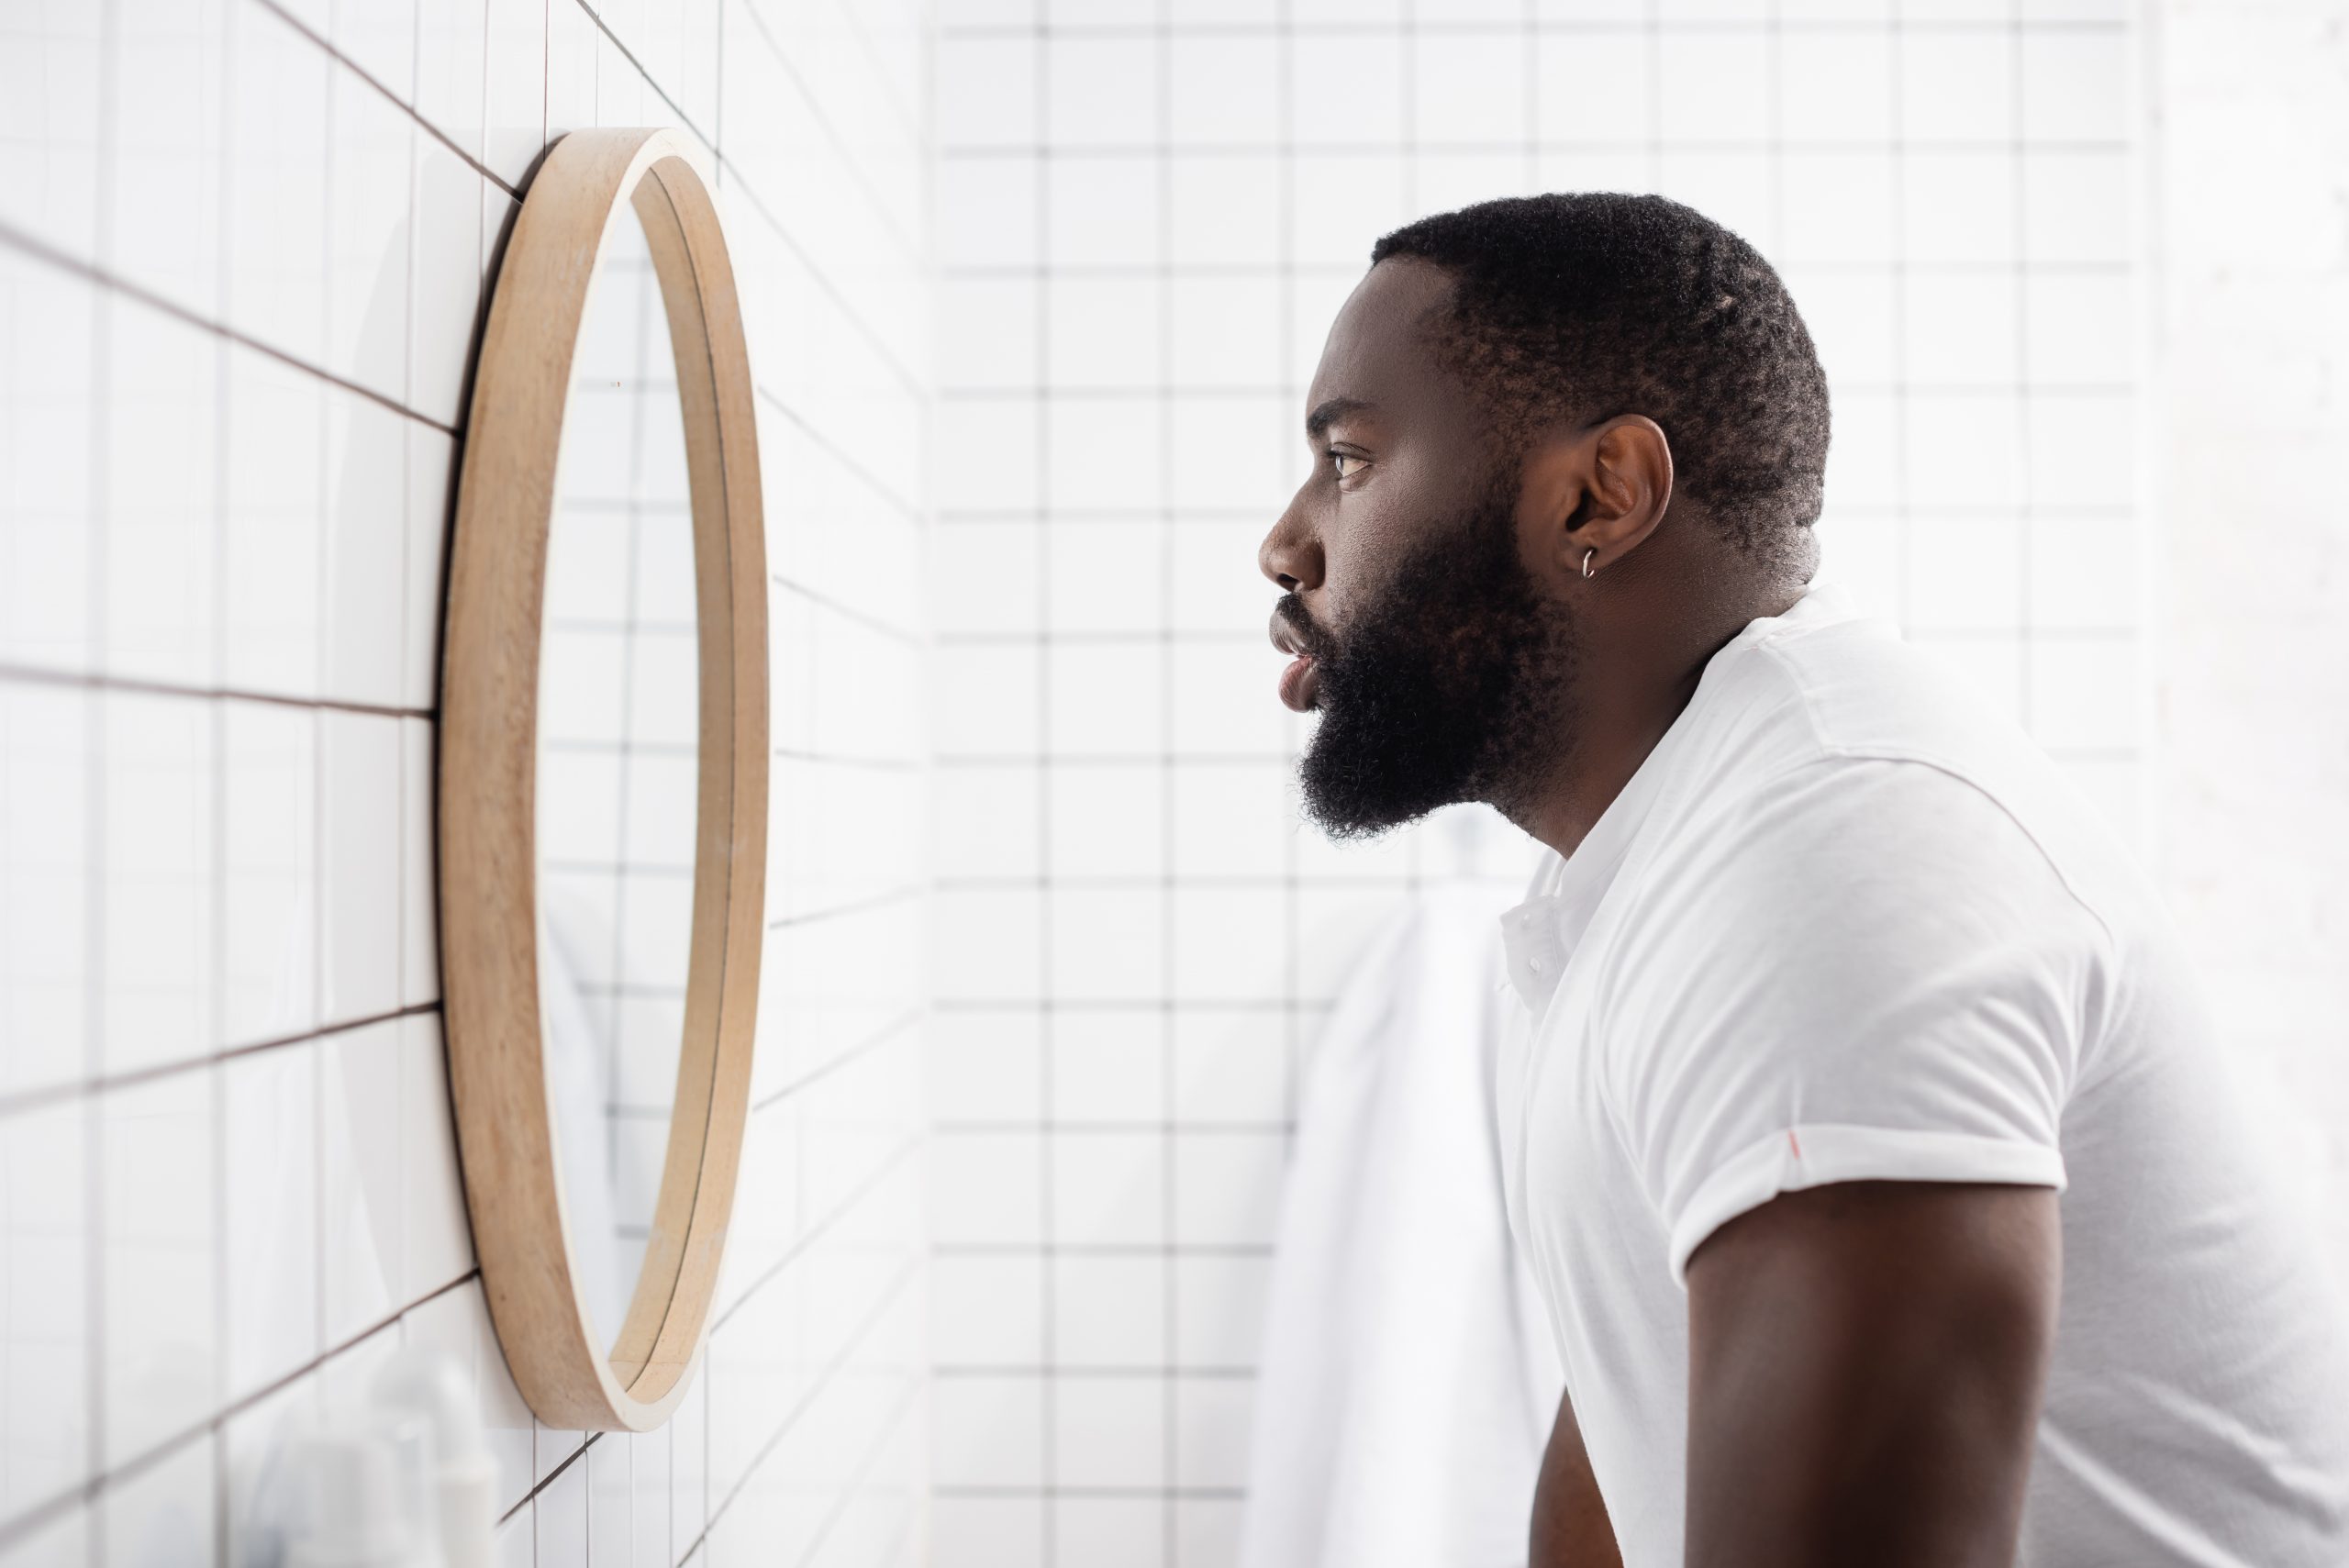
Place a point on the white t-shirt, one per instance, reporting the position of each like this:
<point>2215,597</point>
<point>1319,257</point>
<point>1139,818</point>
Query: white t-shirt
<point>1847,924</point>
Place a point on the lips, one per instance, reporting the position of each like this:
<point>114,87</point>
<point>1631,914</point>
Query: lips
<point>1303,676</point>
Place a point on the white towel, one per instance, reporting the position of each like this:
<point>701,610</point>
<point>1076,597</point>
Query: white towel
<point>1407,1381</point>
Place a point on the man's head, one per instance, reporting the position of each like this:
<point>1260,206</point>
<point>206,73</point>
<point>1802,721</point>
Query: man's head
<point>1545,431</point>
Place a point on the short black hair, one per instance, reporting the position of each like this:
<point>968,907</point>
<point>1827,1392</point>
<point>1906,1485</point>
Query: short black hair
<point>1587,305</point>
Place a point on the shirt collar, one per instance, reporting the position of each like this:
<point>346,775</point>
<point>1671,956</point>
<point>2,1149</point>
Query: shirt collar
<point>1541,934</point>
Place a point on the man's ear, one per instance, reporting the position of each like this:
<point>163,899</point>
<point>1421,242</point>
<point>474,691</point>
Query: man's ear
<point>1592,493</point>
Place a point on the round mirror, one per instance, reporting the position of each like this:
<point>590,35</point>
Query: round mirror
<point>603,779</point>
<point>618,744</point>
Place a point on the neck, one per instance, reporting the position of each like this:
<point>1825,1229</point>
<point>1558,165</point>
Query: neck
<point>1636,677</point>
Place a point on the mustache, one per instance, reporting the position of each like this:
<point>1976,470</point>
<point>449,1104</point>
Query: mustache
<point>1291,613</point>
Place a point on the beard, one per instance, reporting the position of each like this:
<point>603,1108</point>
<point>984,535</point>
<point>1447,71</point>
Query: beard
<point>1452,685</point>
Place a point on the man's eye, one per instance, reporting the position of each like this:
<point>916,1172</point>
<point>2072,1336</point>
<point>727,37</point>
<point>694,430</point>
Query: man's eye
<point>1345,465</point>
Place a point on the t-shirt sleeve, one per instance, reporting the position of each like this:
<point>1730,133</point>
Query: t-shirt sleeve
<point>1869,971</point>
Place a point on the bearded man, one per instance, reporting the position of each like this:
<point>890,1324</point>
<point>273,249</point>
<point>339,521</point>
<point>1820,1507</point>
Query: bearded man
<point>1866,1134</point>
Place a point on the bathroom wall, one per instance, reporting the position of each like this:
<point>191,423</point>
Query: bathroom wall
<point>242,245</point>
<point>1148,211</point>
<point>2251,393</point>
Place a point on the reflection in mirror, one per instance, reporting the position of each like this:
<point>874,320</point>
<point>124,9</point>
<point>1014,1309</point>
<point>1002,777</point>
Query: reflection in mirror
<point>617,776</point>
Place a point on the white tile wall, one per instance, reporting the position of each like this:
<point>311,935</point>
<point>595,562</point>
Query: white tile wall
<point>2252,145</point>
<point>241,251</point>
<point>1147,215</point>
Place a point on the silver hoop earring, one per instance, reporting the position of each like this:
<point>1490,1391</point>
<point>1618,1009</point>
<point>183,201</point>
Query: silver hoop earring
<point>1588,556</point>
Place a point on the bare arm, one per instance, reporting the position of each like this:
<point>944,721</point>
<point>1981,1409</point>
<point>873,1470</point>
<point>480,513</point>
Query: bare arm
<point>1866,1366</point>
<point>1570,1528</point>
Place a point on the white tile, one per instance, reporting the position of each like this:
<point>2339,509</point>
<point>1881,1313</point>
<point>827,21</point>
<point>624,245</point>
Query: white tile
<point>572,43</point>
<point>988,1432</point>
<point>1961,329</point>
<point>1109,1431</point>
<point>1233,451</point>
<point>2077,209</point>
<point>1104,699</point>
<point>162,1340</point>
<point>380,38</point>
<point>1108,1311</point>
<point>1107,945</point>
<point>419,912</point>
<point>1106,821</point>
<point>985,451</point>
<point>452,40</point>
<point>987,1311</point>
<point>514,95</point>
<point>649,1482</point>
<point>161,860</point>
<point>164,1512</point>
<point>1102,211</point>
<point>1211,1431</point>
<point>275,544</point>
<point>436,1245</point>
<point>169,114</point>
<point>360,1186</point>
<point>1225,333</point>
<point>1342,88</point>
<point>1227,944</point>
<point>1227,1187</point>
<point>1108,1188</point>
<point>278,141</point>
<point>1225,90</point>
<point>1104,332</point>
<point>370,193</point>
<point>987,211</point>
<point>984,823</point>
<point>1220,211</point>
<point>620,91</point>
<point>360,870</point>
<point>47,517</point>
<point>269,867</point>
<point>1230,1067</point>
<point>2075,85</point>
<point>986,1188</point>
<point>1219,1309</point>
<point>1339,206</point>
<point>1958,206</point>
<point>1714,87</point>
<point>1965,575</point>
<point>611,1522</point>
<point>1840,208</point>
<point>984,1066</point>
<point>46,762</point>
<point>1129,1531</point>
<point>1469,88</point>
<point>984,701</point>
<point>2081,328</point>
<point>164,428</point>
<point>560,1510</point>
<point>1101,92</point>
<point>44,1407</point>
<point>366,540</point>
<point>2082,449</point>
<point>446,282</point>
<point>269,1149</point>
<point>1957,86</point>
<point>1108,1067</point>
<point>986,333</point>
<point>1962,450</point>
<point>1836,85</point>
<point>986,1531</point>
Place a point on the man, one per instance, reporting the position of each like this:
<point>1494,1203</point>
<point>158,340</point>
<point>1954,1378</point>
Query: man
<point>1831,985</point>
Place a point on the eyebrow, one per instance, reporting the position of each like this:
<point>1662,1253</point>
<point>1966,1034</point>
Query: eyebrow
<point>1333,410</point>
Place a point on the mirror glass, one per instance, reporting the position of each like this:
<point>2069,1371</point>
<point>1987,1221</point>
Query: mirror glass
<point>618,748</point>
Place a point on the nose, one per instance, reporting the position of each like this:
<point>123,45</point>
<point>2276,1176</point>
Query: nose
<point>1291,554</point>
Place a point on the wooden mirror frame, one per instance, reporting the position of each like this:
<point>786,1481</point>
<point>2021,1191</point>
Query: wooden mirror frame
<point>489,893</point>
